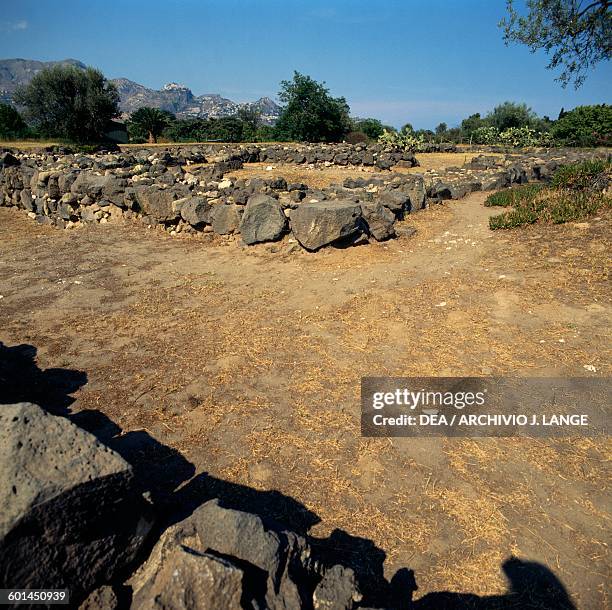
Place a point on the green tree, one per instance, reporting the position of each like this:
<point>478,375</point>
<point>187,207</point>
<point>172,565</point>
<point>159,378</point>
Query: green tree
<point>227,129</point>
<point>12,124</point>
<point>455,134</point>
<point>251,119</point>
<point>471,124</point>
<point>577,35</point>
<point>309,112</point>
<point>426,134</point>
<point>407,128</point>
<point>265,133</point>
<point>67,102</point>
<point>510,114</point>
<point>441,128</point>
<point>372,128</point>
<point>148,123</point>
<point>584,126</point>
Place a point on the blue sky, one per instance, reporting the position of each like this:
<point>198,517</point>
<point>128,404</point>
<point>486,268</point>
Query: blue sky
<point>417,61</point>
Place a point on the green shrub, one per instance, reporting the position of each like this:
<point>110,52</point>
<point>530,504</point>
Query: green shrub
<point>11,123</point>
<point>511,115</point>
<point>146,124</point>
<point>578,191</point>
<point>584,126</point>
<point>555,206</point>
<point>516,218</point>
<point>404,139</point>
<point>582,176</point>
<point>513,196</point>
<point>519,137</point>
<point>485,135</point>
<point>310,113</point>
<point>373,128</point>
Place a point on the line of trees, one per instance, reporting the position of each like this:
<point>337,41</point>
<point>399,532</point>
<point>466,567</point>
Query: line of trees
<point>310,114</point>
<point>67,103</point>
<point>516,124</point>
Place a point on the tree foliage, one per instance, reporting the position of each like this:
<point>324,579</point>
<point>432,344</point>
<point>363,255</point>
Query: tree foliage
<point>584,126</point>
<point>66,102</point>
<point>575,34</point>
<point>510,114</point>
<point>225,129</point>
<point>471,124</point>
<point>12,124</point>
<point>372,128</point>
<point>147,124</point>
<point>441,129</point>
<point>251,120</point>
<point>309,113</point>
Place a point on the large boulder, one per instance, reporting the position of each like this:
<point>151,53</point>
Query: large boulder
<point>272,561</point>
<point>25,198</point>
<point>9,160</point>
<point>407,160</point>
<point>190,580</point>
<point>158,203</point>
<point>196,211</point>
<point>225,219</point>
<point>71,515</point>
<point>263,220</point>
<point>337,590</point>
<point>380,220</point>
<point>103,598</point>
<point>318,224</point>
<point>109,187</point>
<point>450,190</point>
<point>417,193</point>
<point>395,200</point>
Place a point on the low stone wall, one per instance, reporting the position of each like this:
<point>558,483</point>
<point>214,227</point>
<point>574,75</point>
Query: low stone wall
<point>183,190</point>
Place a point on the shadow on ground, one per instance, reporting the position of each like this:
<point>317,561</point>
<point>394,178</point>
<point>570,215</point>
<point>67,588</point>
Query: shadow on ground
<point>177,491</point>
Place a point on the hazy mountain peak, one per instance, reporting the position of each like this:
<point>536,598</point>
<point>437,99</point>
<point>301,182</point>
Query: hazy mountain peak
<point>173,97</point>
<point>175,87</point>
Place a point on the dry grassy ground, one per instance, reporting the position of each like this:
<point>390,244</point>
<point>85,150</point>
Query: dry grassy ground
<point>321,177</point>
<point>27,144</point>
<point>249,362</point>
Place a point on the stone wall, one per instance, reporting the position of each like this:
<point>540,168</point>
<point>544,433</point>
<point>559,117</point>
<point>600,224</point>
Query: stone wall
<point>183,190</point>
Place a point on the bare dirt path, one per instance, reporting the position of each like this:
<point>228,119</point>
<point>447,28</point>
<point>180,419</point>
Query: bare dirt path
<point>248,362</point>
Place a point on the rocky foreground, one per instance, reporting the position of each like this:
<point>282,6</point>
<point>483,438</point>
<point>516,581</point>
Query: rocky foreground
<point>76,517</point>
<point>183,190</point>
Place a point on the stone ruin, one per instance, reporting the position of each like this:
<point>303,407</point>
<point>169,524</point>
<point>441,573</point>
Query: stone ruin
<point>184,189</point>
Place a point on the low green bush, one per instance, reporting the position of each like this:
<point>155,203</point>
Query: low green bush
<point>577,191</point>
<point>584,175</point>
<point>513,196</point>
<point>553,207</point>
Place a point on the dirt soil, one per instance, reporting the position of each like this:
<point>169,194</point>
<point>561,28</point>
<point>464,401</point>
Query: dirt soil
<point>319,176</point>
<point>248,361</point>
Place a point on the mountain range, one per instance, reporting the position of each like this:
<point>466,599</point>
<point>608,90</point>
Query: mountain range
<point>173,97</point>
